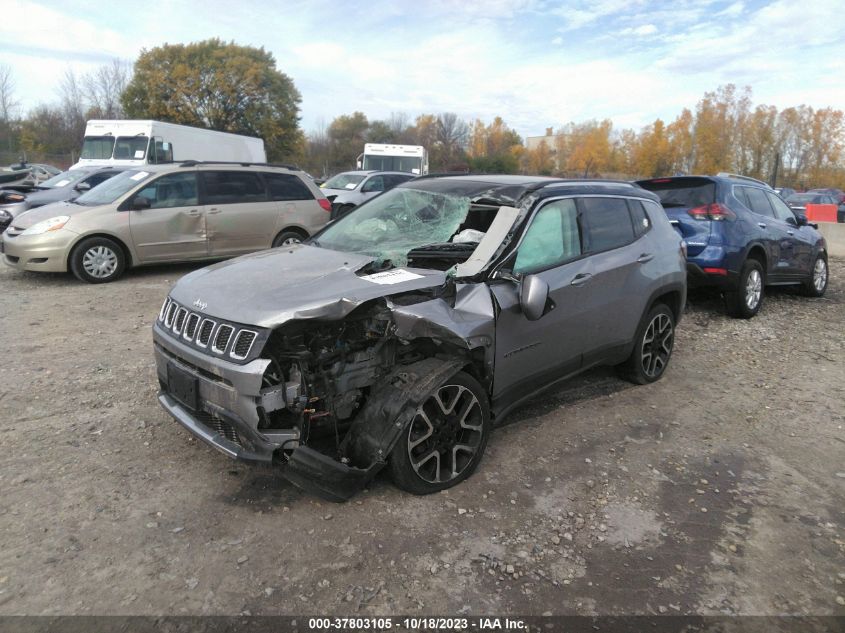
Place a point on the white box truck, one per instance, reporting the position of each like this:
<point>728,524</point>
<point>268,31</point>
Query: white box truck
<point>128,142</point>
<point>410,158</point>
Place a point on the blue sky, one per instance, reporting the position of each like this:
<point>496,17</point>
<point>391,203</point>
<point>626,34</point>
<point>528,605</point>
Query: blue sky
<point>536,63</point>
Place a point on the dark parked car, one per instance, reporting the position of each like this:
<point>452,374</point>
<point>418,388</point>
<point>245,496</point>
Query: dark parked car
<point>67,185</point>
<point>831,196</point>
<point>837,194</point>
<point>403,331</point>
<point>741,237</point>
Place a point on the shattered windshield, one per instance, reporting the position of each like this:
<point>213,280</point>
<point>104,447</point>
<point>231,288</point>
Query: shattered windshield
<point>396,222</point>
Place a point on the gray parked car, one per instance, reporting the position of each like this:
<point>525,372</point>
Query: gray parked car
<point>401,333</point>
<point>67,185</point>
<point>349,189</point>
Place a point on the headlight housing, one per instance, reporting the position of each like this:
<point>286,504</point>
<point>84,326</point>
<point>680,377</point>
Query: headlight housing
<point>52,224</point>
<point>5,216</point>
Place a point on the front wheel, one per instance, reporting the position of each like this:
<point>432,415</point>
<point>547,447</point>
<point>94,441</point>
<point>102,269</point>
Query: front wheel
<point>746,300</point>
<point>444,442</point>
<point>97,260</point>
<point>653,347</point>
<point>816,285</point>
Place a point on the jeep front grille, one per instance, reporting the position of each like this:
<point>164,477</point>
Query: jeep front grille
<point>194,328</point>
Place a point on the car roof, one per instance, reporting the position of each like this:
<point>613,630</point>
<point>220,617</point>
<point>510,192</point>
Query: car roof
<point>509,188</point>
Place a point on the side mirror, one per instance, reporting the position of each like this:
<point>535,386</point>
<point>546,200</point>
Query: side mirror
<point>139,203</point>
<point>533,294</point>
<point>801,219</point>
<point>82,187</point>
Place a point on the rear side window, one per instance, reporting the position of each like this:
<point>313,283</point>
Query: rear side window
<point>639,217</point>
<point>287,187</point>
<point>683,192</point>
<point>608,223</point>
<point>757,201</point>
<point>232,187</point>
<point>552,239</point>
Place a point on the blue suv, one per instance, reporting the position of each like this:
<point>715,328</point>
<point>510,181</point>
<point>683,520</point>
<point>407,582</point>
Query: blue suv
<point>741,236</point>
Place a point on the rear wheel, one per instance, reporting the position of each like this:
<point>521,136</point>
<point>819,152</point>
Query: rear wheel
<point>444,442</point>
<point>816,285</point>
<point>652,347</point>
<point>746,299</point>
<point>97,260</point>
<point>288,238</point>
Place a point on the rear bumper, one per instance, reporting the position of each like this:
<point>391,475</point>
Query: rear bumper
<point>697,277</point>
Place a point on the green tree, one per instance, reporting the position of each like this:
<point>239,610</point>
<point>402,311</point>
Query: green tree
<point>347,135</point>
<point>221,86</point>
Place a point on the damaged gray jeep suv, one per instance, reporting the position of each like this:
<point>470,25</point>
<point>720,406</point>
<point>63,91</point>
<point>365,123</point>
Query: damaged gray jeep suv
<point>400,334</point>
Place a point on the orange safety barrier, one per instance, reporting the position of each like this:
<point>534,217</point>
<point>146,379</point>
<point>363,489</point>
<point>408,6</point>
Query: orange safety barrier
<point>821,212</point>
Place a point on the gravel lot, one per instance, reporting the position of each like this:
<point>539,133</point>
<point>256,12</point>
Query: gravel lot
<point>720,489</point>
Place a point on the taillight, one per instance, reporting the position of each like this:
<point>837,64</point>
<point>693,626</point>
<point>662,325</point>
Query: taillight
<point>327,206</point>
<point>713,211</point>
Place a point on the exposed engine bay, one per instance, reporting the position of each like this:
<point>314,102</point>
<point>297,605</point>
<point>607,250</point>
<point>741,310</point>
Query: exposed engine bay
<point>321,374</point>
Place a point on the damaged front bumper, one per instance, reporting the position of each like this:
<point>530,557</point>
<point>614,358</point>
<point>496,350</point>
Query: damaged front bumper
<point>223,413</point>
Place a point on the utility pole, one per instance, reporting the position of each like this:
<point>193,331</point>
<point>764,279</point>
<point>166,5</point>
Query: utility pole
<point>774,182</point>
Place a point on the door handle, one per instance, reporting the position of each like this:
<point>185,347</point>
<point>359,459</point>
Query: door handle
<point>762,225</point>
<point>790,233</point>
<point>213,211</point>
<point>580,279</point>
<point>645,257</point>
<point>193,212</point>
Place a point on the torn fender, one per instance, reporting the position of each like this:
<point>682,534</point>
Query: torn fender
<point>469,323</point>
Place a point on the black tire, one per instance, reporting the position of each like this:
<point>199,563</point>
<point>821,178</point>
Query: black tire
<point>816,284</point>
<point>288,237</point>
<point>653,347</point>
<point>745,301</point>
<point>439,429</point>
<point>97,260</point>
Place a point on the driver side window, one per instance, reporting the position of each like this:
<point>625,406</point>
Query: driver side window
<point>553,238</point>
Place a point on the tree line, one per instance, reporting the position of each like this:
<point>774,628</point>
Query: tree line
<point>232,88</point>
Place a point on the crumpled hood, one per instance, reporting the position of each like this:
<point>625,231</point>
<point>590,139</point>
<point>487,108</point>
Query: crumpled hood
<point>34,216</point>
<point>272,287</point>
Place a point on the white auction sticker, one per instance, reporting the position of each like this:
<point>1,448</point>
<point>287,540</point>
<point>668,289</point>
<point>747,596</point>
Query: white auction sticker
<point>140,175</point>
<point>395,276</point>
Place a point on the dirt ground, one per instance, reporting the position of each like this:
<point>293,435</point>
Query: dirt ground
<point>718,490</point>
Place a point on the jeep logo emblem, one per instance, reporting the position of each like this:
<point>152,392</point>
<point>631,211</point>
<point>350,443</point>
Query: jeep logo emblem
<point>200,305</point>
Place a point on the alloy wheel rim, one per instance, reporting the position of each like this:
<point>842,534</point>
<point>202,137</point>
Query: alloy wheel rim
<point>820,274</point>
<point>291,241</point>
<point>657,345</point>
<point>445,434</point>
<point>99,261</point>
<point>753,289</point>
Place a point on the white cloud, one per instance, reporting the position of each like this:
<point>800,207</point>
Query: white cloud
<point>642,30</point>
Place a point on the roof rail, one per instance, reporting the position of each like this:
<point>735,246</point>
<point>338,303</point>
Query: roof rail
<point>192,163</point>
<point>725,174</point>
<point>584,181</point>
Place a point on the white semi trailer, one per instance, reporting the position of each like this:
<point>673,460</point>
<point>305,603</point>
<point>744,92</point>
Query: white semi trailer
<point>129,142</point>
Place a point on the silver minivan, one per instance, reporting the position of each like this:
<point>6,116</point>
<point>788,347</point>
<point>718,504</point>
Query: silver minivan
<point>167,213</point>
